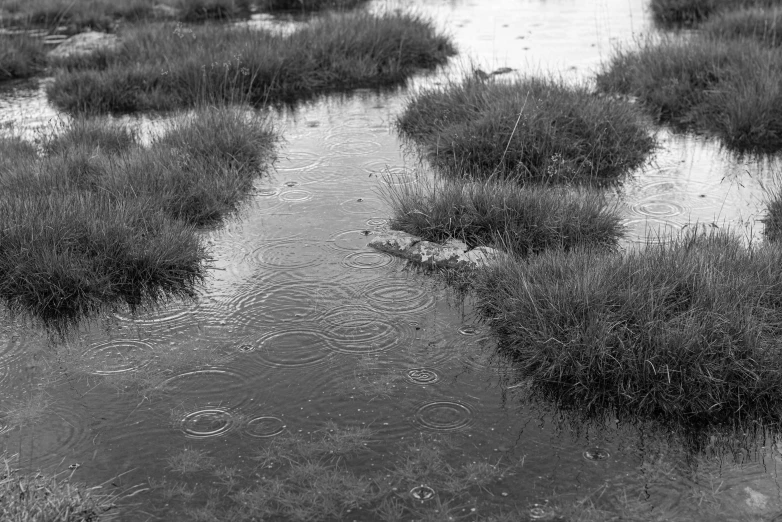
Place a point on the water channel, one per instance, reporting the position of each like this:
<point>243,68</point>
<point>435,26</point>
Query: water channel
<point>301,325</point>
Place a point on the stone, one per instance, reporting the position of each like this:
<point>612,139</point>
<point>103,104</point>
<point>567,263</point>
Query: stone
<point>481,256</point>
<point>394,242</point>
<point>453,253</point>
<point>85,43</point>
<point>457,244</point>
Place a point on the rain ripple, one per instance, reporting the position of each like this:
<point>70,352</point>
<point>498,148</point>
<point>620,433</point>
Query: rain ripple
<point>297,347</point>
<point>213,422</point>
<point>289,255</point>
<point>117,356</point>
<point>400,297</point>
<point>444,416</point>
<point>357,329</point>
<point>212,385</point>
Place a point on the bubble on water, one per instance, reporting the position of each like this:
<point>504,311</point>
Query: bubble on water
<point>596,454</point>
<point>422,376</point>
<point>207,423</point>
<point>361,206</point>
<point>468,329</point>
<point>264,427</point>
<point>540,511</point>
<point>422,493</point>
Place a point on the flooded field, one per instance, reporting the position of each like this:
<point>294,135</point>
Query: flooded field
<point>301,331</point>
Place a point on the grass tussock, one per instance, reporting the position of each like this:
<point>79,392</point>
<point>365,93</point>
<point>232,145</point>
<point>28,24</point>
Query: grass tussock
<point>530,129</point>
<point>21,57</point>
<point>763,25</point>
<point>50,498</point>
<point>673,13</point>
<point>105,15</point>
<point>731,89</point>
<point>684,331</point>
<point>160,67</point>
<point>97,220</point>
<point>308,5</point>
<point>522,220</point>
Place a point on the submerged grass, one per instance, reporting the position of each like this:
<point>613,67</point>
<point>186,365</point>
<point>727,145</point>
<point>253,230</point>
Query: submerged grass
<point>530,129</point>
<point>161,67</point>
<point>96,220</point>
<point>319,476</point>
<point>729,88</point>
<point>522,220</point>
<point>50,498</point>
<point>684,330</point>
<point>21,57</point>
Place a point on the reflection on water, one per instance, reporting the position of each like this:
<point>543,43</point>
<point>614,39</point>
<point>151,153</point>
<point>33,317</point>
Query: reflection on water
<point>301,324</point>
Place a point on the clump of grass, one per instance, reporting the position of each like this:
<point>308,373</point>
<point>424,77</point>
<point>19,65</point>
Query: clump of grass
<point>691,12</point>
<point>21,57</point>
<point>162,67</point>
<point>763,25</point>
<point>536,129</point>
<point>50,497</point>
<point>97,220</point>
<point>684,330</point>
<point>522,220</point>
<point>104,15</point>
<point>730,89</point>
<point>203,10</point>
<point>76,15</point>
<point>308,5</point>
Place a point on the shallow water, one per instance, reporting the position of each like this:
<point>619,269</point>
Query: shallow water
<point>301,324</point>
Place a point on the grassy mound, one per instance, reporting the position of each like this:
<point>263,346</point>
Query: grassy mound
<point>731,88</point>
<point>97,220</point>
<point>763,25</point>
<point>307,5</point>
<point>686,330</point>
<point>529,129</point>
<point>520,220</point>
<point>691,12</point>
<point>20,57</point>
<point>103,15</point>
<point>163,67</point>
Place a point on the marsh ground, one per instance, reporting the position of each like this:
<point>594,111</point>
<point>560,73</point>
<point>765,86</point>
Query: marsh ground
<point>386,349</point>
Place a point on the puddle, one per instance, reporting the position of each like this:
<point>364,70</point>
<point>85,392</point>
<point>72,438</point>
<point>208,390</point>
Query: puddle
<point>304,325</point>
